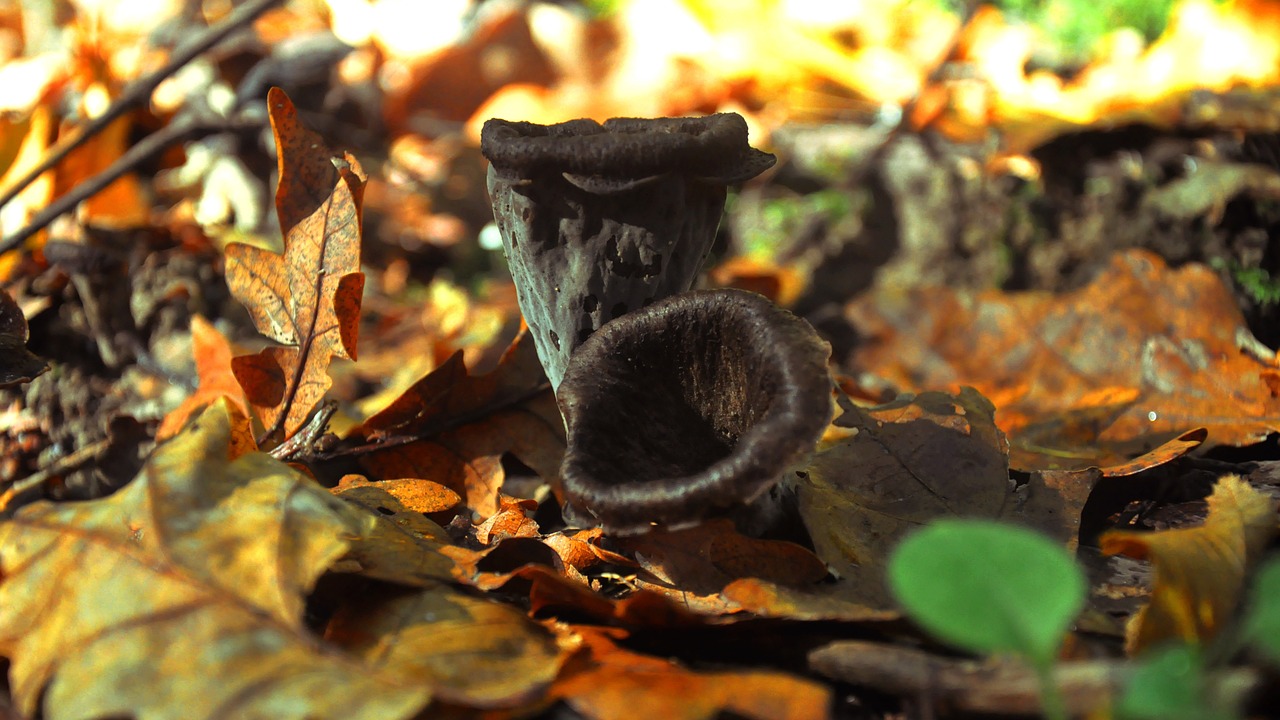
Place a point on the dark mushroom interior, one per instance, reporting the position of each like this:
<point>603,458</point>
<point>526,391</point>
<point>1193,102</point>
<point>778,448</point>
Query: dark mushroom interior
<point>694,405</point>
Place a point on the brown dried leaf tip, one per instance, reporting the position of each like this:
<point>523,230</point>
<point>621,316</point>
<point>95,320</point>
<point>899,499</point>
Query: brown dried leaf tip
<point>694,405</point>
<point>599,220</point>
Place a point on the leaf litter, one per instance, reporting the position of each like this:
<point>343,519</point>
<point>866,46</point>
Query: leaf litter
<point>442,579</point>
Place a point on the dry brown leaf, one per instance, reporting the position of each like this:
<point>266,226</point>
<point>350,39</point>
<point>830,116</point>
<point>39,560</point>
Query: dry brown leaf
<point>309,299</point>
<point>17,363</point>
<point>1052,501</point>
<point>513,519</point>
<point>1090,377</point>
<point>904,464</point>
<point>453,428</point>
<point>1200,571</point>
<point>182,595</point>
<point>212,354</point>
<point>473,652</point>
<point>705,558</point>
<point>581,550</point>
<point>606,682</point>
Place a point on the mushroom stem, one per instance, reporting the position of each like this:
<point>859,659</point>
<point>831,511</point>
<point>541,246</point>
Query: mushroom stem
<point>691,407</point>
<point>600,220</point>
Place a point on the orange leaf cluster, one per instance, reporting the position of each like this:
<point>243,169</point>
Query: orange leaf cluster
<point>453,428</point>
<point>1085,378</point>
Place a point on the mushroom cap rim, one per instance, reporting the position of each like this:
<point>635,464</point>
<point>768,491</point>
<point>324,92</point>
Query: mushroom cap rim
<point>787,432</point>
<point>712,148</point>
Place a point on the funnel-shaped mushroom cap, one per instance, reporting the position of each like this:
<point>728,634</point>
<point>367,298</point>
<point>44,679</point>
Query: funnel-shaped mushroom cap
<point>691,406</point>
<point>599,220</point>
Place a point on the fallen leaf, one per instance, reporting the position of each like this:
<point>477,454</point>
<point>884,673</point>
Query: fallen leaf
<point>471,651</point>
<point>513,519</point>
<point>909,462</point>
<point>422,496</point>
<point>212,354</point>
<point>403,546</point>
<point>198,569</point>
<point>605,682</point>
<point>1143,353</point>
<point>705,558</point>
<point>309,299</point>
<point>17,363</point>
<point>1200,571</point>
<point>1053,501</point>
<point>581,549</point>
<point>453,428</point>
<point>766,599</point>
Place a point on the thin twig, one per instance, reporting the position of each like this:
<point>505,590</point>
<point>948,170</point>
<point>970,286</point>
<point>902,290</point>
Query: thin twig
<point>306,436</point>
<point>137,93</point>
<point>178,130</point>
<point>61,466</point>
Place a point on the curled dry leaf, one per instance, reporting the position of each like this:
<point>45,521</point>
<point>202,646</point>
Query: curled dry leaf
<point>1142,353</point>
<point>198,569</point>
<point>309,299</point>
<point>513,519</point>
<point>453,428</point>
<point>1200,571</point>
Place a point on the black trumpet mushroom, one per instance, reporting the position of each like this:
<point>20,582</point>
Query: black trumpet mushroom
<point>598,220</point>
<point>688,408</point>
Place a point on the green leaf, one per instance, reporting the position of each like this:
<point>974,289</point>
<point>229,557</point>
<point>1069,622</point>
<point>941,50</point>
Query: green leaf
<point>988,587</point>
<point>1262,625</point>
<point>1169,686</point>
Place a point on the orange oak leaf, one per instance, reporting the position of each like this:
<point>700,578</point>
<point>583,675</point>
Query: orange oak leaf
<point>1199,571</point>
<point>417,496</point>
<point>513,519</point>
<point>453,428</point>
<point>308,300</point>
<point>1091,377</point>
<point>604,681</point>
<point>212,354</point>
